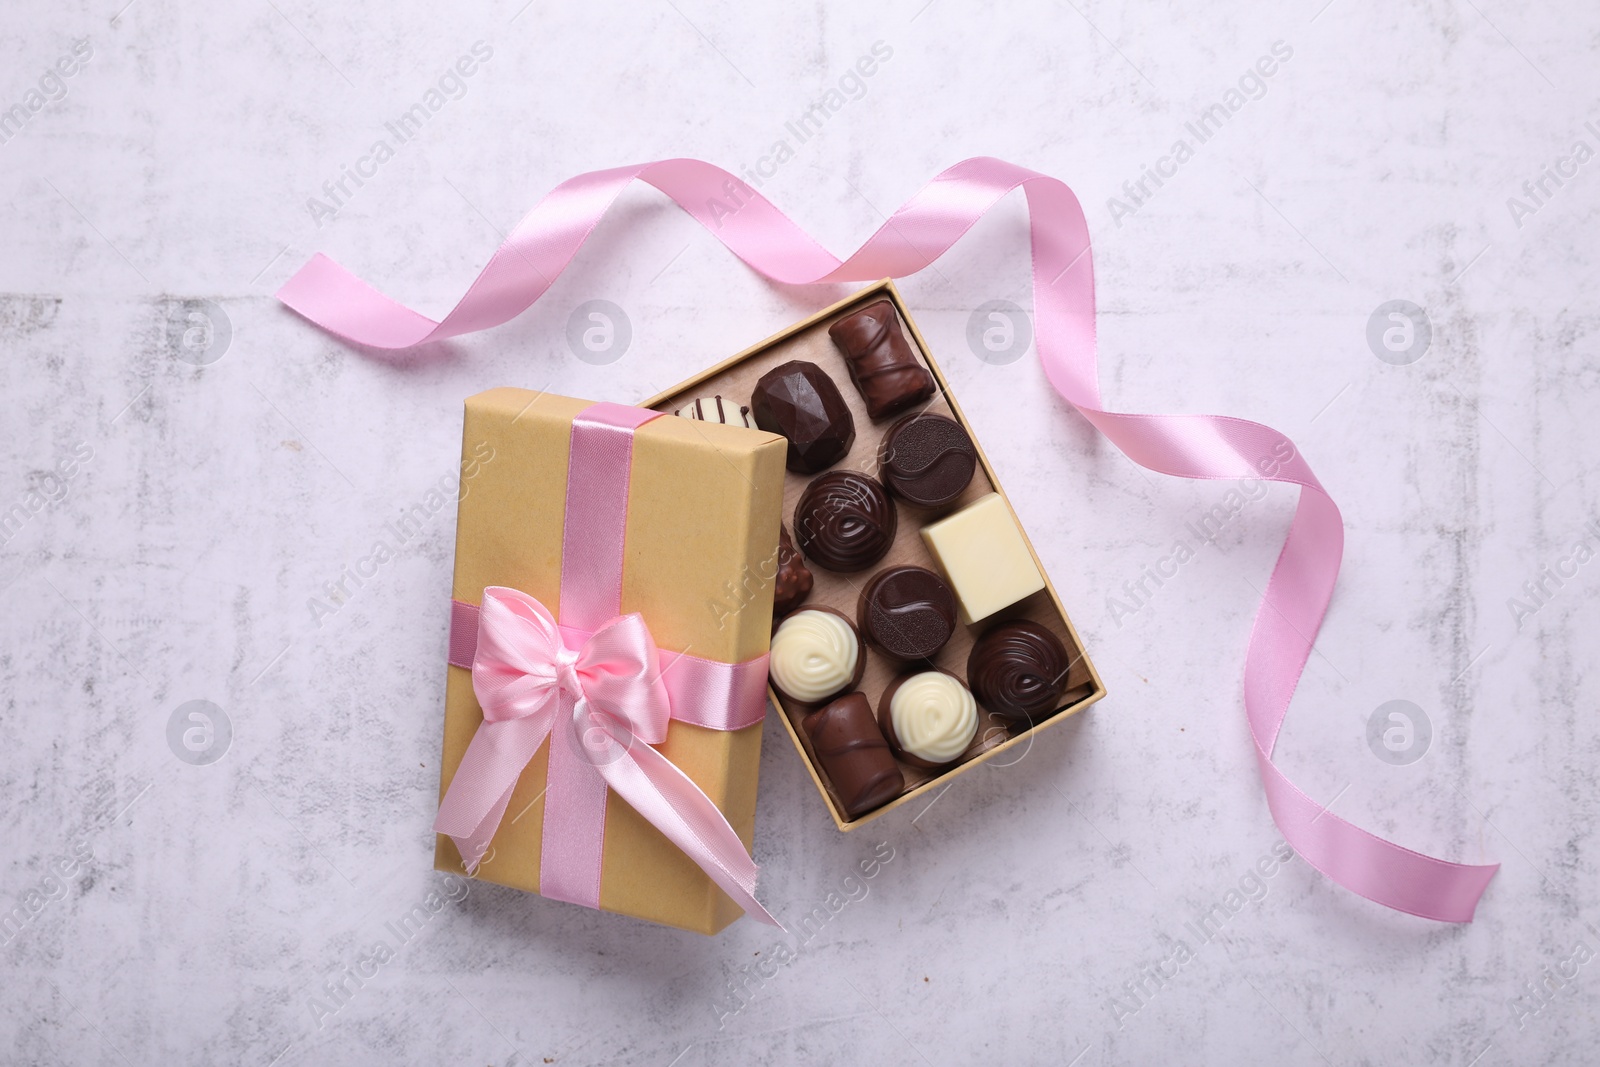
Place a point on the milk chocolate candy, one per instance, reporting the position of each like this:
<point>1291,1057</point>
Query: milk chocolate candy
<point>792,584</point>
<point>927,460</point>
<point>799,401</point>
<point>881,363</point>
<point>853,754</point>
<point>1018,671</point>
<point>906,612</point>
<point>845,521</point>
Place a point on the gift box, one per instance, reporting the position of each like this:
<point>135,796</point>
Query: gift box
<point>559,498</point>
<point>995,738</point>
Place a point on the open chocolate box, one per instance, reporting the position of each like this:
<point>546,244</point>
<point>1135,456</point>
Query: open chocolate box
<point>977,577</point>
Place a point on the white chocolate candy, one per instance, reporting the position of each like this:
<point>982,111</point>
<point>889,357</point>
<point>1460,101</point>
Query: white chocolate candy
<point>984,557</point>
<point>814,655</point>
<point>715,409</point>
<point>934,716</point>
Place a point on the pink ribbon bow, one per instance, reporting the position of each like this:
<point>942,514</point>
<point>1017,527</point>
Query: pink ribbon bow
<point>603,700</point>
<point>1188,446</point>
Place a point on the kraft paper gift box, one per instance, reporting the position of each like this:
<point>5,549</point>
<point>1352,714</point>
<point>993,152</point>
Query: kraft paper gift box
<point>698,555</point>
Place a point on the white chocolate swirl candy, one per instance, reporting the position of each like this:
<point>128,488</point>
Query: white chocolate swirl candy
<point>814,655</point>
<point>715,409</point>
<point>934,716</point>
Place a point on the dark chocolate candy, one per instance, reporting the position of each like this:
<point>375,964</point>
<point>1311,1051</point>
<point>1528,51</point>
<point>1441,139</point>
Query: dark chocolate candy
<point>792,584</point>
<point>927,459</point>
<point>1018,670</point>
<point>853,753</point>
<point>907,612</point>
<point>844,521</point>
<point>881,363</point>
<point>799,401</point>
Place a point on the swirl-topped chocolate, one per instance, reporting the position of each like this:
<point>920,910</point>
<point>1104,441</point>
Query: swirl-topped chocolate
<point>844,521</point>
<point>815,654</point>
<point>929,718</point>
<point>1018,671</point>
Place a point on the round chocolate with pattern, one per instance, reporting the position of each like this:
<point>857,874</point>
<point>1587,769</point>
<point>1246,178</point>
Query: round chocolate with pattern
<point>715,409</point>
<point>928,718</point>
<point>815,654</point>
<point>845,521</point>
<point>1018,671</point>
<point>927,460</point>
<point>907,612</point>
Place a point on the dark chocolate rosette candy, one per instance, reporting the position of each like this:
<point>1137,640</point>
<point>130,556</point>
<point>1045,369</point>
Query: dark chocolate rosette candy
<point>845,521</point>
<point>1018,671</point>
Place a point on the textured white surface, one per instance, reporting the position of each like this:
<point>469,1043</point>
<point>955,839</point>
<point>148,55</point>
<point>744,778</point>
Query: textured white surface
<point>178,561</point>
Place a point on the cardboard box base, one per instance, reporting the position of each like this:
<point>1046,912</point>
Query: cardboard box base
<point>808,340</point>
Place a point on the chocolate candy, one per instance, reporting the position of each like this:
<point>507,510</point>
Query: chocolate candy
<point>928,718</point>
<point>715,409</point>
<point>801,402</point>
<point>844,521</point>
<point>853,754</point>
<point>1018,670</point>
<point>927,459</point>
<point>792,583</point>
<point>881,363</point>
<point>815,654</point>
<point>907,612</point>
<point>983,555</point>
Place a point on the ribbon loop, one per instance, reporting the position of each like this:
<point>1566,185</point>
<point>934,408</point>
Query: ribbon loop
<point>522,673</point>
<point>514,672</point>
<point>621,675</point>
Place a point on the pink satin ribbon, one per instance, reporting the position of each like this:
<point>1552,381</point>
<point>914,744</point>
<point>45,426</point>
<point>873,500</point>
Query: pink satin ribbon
<point>594,686</point>
<point>703,692</point>
<point>1189,446</point>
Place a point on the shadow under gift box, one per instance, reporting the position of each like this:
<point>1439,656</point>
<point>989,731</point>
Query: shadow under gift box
<point>702,529</point>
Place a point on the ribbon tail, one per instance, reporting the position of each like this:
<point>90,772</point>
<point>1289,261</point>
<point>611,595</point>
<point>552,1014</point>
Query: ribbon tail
<point>1281,639</point>
<point>473,806</point>
<point>673,804</point>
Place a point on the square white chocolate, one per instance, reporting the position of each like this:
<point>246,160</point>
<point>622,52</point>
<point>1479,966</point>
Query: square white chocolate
<point>984,557</point>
